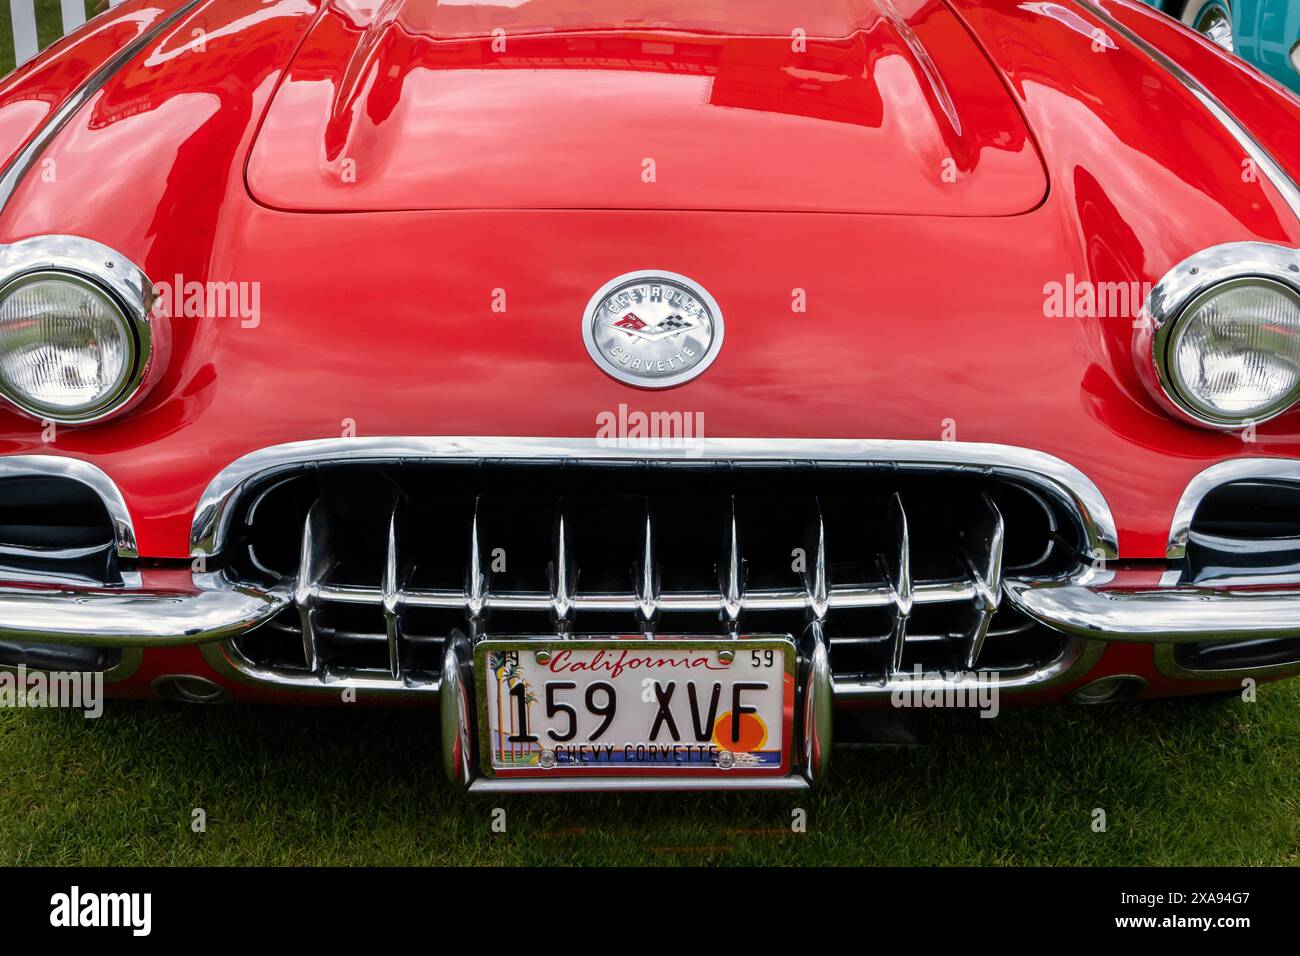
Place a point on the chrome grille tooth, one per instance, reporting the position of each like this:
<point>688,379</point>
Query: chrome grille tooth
<point>391,591</point>
<point>477,584</point>
<point>816,582</point>
<point>315,560</point>
<point>645,577</point>
<point>731,577</point>
<point>562,572</point>
<point>981,552</point>
<point>897,567</point>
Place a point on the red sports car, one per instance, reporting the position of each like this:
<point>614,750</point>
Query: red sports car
<point>640,383</point>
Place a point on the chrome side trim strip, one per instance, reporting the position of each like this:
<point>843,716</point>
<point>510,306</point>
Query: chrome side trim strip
<point>139,617</point>
<point>1037,468</point>
<point>1173,615</point>
<point>25,160</point>
<point>58,466</point>
<point>1238,469</point>
<point>1263,159</point>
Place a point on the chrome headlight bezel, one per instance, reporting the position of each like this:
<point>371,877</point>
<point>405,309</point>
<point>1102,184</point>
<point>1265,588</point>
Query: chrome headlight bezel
<point>118,281</point>
<point>1179,293</point>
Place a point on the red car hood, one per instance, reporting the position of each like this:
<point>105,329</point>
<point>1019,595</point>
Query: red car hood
<point>827,106</point>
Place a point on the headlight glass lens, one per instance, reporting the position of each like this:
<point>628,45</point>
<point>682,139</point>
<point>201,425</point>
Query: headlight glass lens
<point>66,349</point>
<point>1234,354</point>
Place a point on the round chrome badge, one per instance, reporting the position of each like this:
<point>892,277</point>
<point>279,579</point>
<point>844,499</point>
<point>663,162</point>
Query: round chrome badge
<point>652,329</point>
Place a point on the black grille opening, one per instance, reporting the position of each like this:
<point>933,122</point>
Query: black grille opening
<point>1238,655</point>
<point>777,513</point>
<point>1245,531</point>
<point>62,658</point>
<point>55,529</point>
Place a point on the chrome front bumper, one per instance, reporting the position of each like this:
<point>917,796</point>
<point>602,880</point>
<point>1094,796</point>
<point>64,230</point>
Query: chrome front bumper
<point>138,616</point>
<point>217,610</point>
<point>1159,615</point>
<point>1090,607</point>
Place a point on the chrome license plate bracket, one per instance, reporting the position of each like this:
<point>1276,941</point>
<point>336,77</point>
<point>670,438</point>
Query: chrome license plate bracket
<point>684,707</point>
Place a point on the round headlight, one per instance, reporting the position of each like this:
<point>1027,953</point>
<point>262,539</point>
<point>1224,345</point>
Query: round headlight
<point>68,352</point>
<point>1233,355</point>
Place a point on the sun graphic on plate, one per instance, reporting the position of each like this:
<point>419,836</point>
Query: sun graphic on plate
<point>753,733</point>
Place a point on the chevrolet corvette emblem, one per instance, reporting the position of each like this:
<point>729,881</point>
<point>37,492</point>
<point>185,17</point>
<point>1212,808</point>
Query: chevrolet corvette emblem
<point>652,329</point>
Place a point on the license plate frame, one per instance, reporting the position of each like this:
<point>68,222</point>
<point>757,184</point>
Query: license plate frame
<point>624,647</point>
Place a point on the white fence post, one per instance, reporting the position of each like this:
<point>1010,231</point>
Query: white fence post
<point>74,14</point>
<point>23,17</point>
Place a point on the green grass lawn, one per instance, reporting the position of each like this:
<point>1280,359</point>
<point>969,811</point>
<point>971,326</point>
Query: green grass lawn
<point>49,27</point>
<point>1181,783</point>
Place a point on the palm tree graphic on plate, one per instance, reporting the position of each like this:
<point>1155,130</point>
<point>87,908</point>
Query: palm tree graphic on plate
<point>505,667</point>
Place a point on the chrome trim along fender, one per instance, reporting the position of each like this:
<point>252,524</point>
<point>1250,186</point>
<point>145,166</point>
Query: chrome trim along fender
<point>1263,159</point>
<point>25,160</point>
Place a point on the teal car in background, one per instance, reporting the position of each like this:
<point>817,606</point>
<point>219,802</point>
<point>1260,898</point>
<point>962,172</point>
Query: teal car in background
<point>1263,32</point>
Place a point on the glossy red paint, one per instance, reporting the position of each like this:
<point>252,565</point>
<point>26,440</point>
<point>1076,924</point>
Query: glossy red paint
<point>402,110</point>
<point>926,305</point>
<point>1268,109</point>
<point>30,94</point>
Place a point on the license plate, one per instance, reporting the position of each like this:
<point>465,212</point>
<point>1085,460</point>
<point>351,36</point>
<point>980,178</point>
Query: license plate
<point>613,706</point>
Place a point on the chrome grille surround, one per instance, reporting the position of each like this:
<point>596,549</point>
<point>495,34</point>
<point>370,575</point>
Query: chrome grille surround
<point>1050,474</point>
<point>812,596</point>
